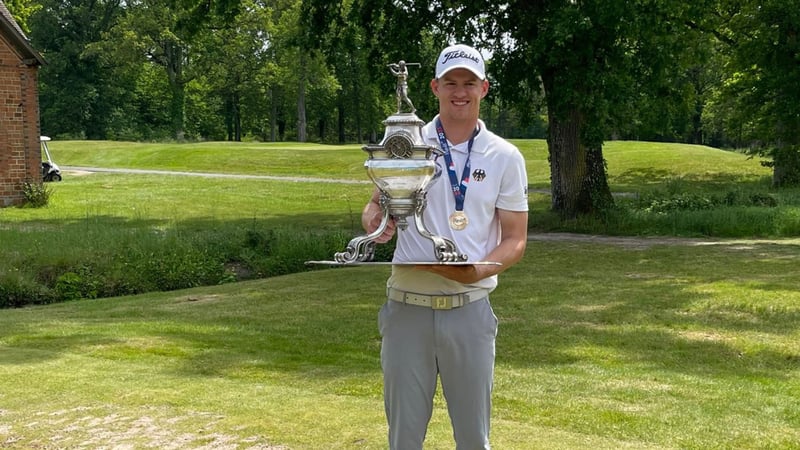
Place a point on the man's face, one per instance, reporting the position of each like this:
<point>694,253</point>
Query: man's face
<point>459,92</point>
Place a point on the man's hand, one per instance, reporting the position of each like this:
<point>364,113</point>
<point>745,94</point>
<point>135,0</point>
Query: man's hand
<point>514,226</point>
<point>374,221</point>
<point>371,218</point>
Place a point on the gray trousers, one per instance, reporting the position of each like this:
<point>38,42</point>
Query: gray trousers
<point>420,343</point>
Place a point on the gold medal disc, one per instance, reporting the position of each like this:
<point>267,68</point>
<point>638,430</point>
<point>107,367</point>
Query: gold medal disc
<point>458,220</point>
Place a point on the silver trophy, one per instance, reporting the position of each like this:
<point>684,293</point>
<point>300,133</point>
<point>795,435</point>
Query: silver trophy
<point>402,166</point>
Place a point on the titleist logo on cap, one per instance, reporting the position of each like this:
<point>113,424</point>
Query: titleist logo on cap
<point>458,54</point>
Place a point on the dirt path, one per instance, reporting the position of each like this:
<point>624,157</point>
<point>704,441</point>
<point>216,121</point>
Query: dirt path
<point>643,242</point>
<point>79,170</point>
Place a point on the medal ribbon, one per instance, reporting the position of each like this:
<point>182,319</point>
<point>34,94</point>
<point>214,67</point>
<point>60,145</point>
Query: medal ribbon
<point>459,187</point>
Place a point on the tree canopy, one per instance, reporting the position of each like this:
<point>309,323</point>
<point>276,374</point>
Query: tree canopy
<point>576,72</point>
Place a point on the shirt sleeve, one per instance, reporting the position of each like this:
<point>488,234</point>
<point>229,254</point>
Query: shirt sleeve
<point>513,194</point>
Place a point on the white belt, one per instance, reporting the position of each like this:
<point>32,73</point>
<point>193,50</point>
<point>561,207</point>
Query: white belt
<point>436,301</point>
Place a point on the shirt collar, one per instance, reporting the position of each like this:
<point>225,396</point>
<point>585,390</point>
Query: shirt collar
<point>479,146</point>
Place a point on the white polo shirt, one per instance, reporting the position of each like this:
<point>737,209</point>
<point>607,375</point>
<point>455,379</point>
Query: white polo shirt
<point>498,180</point>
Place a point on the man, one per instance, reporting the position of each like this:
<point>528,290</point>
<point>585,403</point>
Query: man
<point>480,203</point>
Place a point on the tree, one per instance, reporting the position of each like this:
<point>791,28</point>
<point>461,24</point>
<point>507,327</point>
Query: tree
<point>21,11</point>
<point>346,46</point>
<point>231,61</point>
<point>161,33</point>
<point>591,59</point>
<point>760,97</point>
<point>360,38</point>
<point>301,64</point>
<point>78,91</point>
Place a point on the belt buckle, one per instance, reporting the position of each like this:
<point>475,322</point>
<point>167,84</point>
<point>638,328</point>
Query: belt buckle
<point>442,302</point>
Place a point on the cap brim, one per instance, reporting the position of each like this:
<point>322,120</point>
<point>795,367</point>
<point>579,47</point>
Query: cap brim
<point>461,66</point>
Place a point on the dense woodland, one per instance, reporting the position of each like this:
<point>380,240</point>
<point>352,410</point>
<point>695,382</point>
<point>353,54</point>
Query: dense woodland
<point>724,73</point>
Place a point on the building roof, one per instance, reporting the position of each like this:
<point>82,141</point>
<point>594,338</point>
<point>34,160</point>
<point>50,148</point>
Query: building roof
<point>10,29</point>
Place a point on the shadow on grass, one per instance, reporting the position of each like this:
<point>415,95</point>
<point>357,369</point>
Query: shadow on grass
<point>657,307</point>
<point>304,325</point>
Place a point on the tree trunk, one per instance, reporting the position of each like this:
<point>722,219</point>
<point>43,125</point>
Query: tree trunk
<point>174,66</point>
<point>577,173</point>
<point>567,162</point>
<point>301,114</point>
<point>340,121</point>
<point>228,115</point>
<point>595,184</point>
<point>176,110</point>
<point>301,102</point>
<point>237,117</point>
<point>273,119</point>
<point>786,167</point>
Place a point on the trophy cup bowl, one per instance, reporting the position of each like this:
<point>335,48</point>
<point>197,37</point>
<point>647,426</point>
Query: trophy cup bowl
<point>401,178</point>
<point>401,181</point>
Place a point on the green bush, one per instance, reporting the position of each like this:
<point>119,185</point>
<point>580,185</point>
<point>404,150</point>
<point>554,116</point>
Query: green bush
<point>120,261</point>
<point>71,286</point>
<point>176,268</point>
<point>16,290</point>
<point>660,202</point>
<point>285,251</point>
<point>37,195</point>
<point>668,212</point>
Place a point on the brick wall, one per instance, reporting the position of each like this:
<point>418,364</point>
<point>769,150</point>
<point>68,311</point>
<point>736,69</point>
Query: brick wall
<point>20,154</point>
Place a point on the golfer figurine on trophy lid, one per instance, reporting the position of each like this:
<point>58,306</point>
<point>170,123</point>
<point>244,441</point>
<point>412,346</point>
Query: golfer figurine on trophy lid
<point>402,167</point>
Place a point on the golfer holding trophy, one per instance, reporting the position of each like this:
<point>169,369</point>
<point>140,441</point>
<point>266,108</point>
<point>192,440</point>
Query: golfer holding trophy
<point>437,321</point>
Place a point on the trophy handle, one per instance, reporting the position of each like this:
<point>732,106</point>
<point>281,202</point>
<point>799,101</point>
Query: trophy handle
<point>444,249</point>
<point>362,248</point>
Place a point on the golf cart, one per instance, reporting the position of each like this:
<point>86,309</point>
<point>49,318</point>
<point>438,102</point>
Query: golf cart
<point>50,170</point>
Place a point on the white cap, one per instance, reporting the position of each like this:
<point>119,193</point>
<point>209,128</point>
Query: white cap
<point>460,56</point>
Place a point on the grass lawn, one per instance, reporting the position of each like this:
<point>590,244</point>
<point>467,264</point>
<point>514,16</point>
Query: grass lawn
<point>661,346</point>
<point>160,200</point>
<point>638,344</point>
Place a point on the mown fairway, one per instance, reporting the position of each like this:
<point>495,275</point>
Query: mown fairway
<point>632,165</point>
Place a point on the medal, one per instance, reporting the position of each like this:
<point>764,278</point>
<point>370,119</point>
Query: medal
<point>458,220</point>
